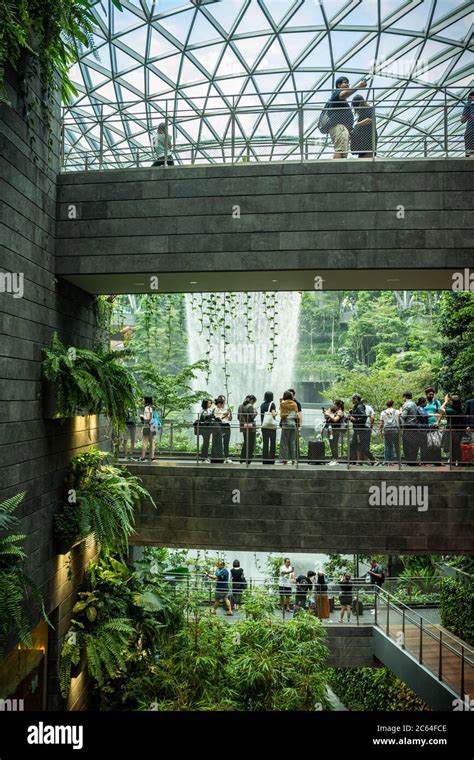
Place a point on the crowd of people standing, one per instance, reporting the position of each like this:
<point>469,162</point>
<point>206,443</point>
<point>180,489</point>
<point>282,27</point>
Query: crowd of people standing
<point>310,590</point>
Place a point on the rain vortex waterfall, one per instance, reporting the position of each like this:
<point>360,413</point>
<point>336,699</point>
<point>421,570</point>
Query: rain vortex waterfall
<point>247,361</point>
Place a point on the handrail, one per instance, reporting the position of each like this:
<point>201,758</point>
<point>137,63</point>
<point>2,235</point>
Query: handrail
<point>401,606</point>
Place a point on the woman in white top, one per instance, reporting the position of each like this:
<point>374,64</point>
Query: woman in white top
<point>287,576</point>
<point>223,414</point>
<point>389,429</point>
<point>162,147</point>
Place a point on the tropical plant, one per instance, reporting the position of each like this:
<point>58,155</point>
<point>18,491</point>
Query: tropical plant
<point>90,382</point>
<point>369,689</point>
<point>116,625</point>
<point>102,500</point>
<point>456,605</point>
<point>456,324</point>
<point>173,393</point>
<point>15,584</point>
<point>54,32</point>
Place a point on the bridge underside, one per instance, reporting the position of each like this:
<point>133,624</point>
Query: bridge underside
<point>306,510</point>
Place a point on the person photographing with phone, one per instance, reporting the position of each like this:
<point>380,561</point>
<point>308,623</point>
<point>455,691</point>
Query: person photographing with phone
<point>341,118</point>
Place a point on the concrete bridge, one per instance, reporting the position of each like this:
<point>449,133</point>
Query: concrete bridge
<point>310,509</point>
<point>387,224</point>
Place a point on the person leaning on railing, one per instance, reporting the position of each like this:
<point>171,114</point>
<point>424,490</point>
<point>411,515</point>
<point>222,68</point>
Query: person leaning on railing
<point>340,115</point>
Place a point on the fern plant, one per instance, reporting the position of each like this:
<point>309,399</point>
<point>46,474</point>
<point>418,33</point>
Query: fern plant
<point>15,584</point>
<point>61,28</point>
<point>90,381</point>
<point>105,498</point>
<point>105,645</point>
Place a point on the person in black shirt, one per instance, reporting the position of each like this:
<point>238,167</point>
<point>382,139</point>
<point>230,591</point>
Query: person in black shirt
<point>268,415</point>
<point>304,584</point>
<point>358,417</point>
<point>341,117</point>
<point>346,596</point>
<point>239,584</point>
<point>363,133</point>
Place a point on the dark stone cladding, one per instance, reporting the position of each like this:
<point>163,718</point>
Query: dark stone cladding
<point>305,510</point>
<point>34,452</point>
<point>330,215</point>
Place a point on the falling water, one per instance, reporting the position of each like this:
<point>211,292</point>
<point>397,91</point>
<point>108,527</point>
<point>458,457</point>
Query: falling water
<point>247,361</point>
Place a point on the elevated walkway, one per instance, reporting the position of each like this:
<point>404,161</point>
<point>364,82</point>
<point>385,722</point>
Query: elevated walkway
<point>358,224</point>
<point>309,509</point>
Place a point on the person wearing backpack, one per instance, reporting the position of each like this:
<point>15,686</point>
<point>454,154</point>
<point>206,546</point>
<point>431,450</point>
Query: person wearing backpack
<point>422,423</point>
<point>408,422</point>
<point>268,414</point>
<point>147,432</point>
<point>337,118</point>
<point>246,415</point>
<point>390,431</point>
<point>289,428</point>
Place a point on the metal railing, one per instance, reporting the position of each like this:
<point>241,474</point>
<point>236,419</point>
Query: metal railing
<point>449,658</point>
<point>443,654</point>
<point>263,128</point>
<point>347,447</point>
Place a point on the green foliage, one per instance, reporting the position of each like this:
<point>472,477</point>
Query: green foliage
<point>90,382</point>
<point>54,31</point>
<point>456,605</point>
<point>373,689</point>
<point>103,500</point>
<point>172,393</point>
<point>380,385</point>
<point>456,325</point>
<point>377,343</point>
<point>15,584</point>
<point>337,564</point>
<point>116,625</point>
<point>259,663</point>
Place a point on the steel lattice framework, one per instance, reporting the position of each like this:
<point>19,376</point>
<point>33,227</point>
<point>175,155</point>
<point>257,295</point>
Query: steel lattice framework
<point>254,73</point>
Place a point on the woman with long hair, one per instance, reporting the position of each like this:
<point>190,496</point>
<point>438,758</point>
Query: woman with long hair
<point>363,135</point>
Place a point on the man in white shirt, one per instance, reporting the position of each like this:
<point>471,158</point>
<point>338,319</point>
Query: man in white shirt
<point>369,424</point>
<point>162,147</point>
<point>287,576</point>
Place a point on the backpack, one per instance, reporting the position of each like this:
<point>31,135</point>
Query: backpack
<point>382,577</point>
<point>324,122</point>
<point>155,422</point>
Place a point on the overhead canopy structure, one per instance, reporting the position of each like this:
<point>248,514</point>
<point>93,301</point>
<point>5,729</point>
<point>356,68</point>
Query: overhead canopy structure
<point>247,78</point>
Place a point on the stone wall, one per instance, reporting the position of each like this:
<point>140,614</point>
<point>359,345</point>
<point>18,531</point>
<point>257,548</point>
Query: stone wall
<point>333,215</point>
<point>34,452</point>
<point>312,509</point>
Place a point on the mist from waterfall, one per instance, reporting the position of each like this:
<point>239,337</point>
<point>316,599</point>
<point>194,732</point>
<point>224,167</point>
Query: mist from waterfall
<point>247,362</point>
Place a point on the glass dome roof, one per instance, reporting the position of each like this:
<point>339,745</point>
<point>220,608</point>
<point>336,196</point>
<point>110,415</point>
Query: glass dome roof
<point>246,79</point>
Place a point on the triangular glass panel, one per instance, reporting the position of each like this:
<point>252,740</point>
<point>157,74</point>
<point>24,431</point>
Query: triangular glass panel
<point>230,64</point>
<point>295,43</point>
<point>251,48</point>
<point>225,13</point>
<point>159,45</point>
<point>254,20</point>
<point>274,58</point>
<point>208,56</point>
<point>203,31</point>
<point>189,72</point>
<point>170,66</point>
<point>179,25</point>
<point>124,61</point>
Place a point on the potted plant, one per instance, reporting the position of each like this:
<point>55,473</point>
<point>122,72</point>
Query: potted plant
<point>81,381</point>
